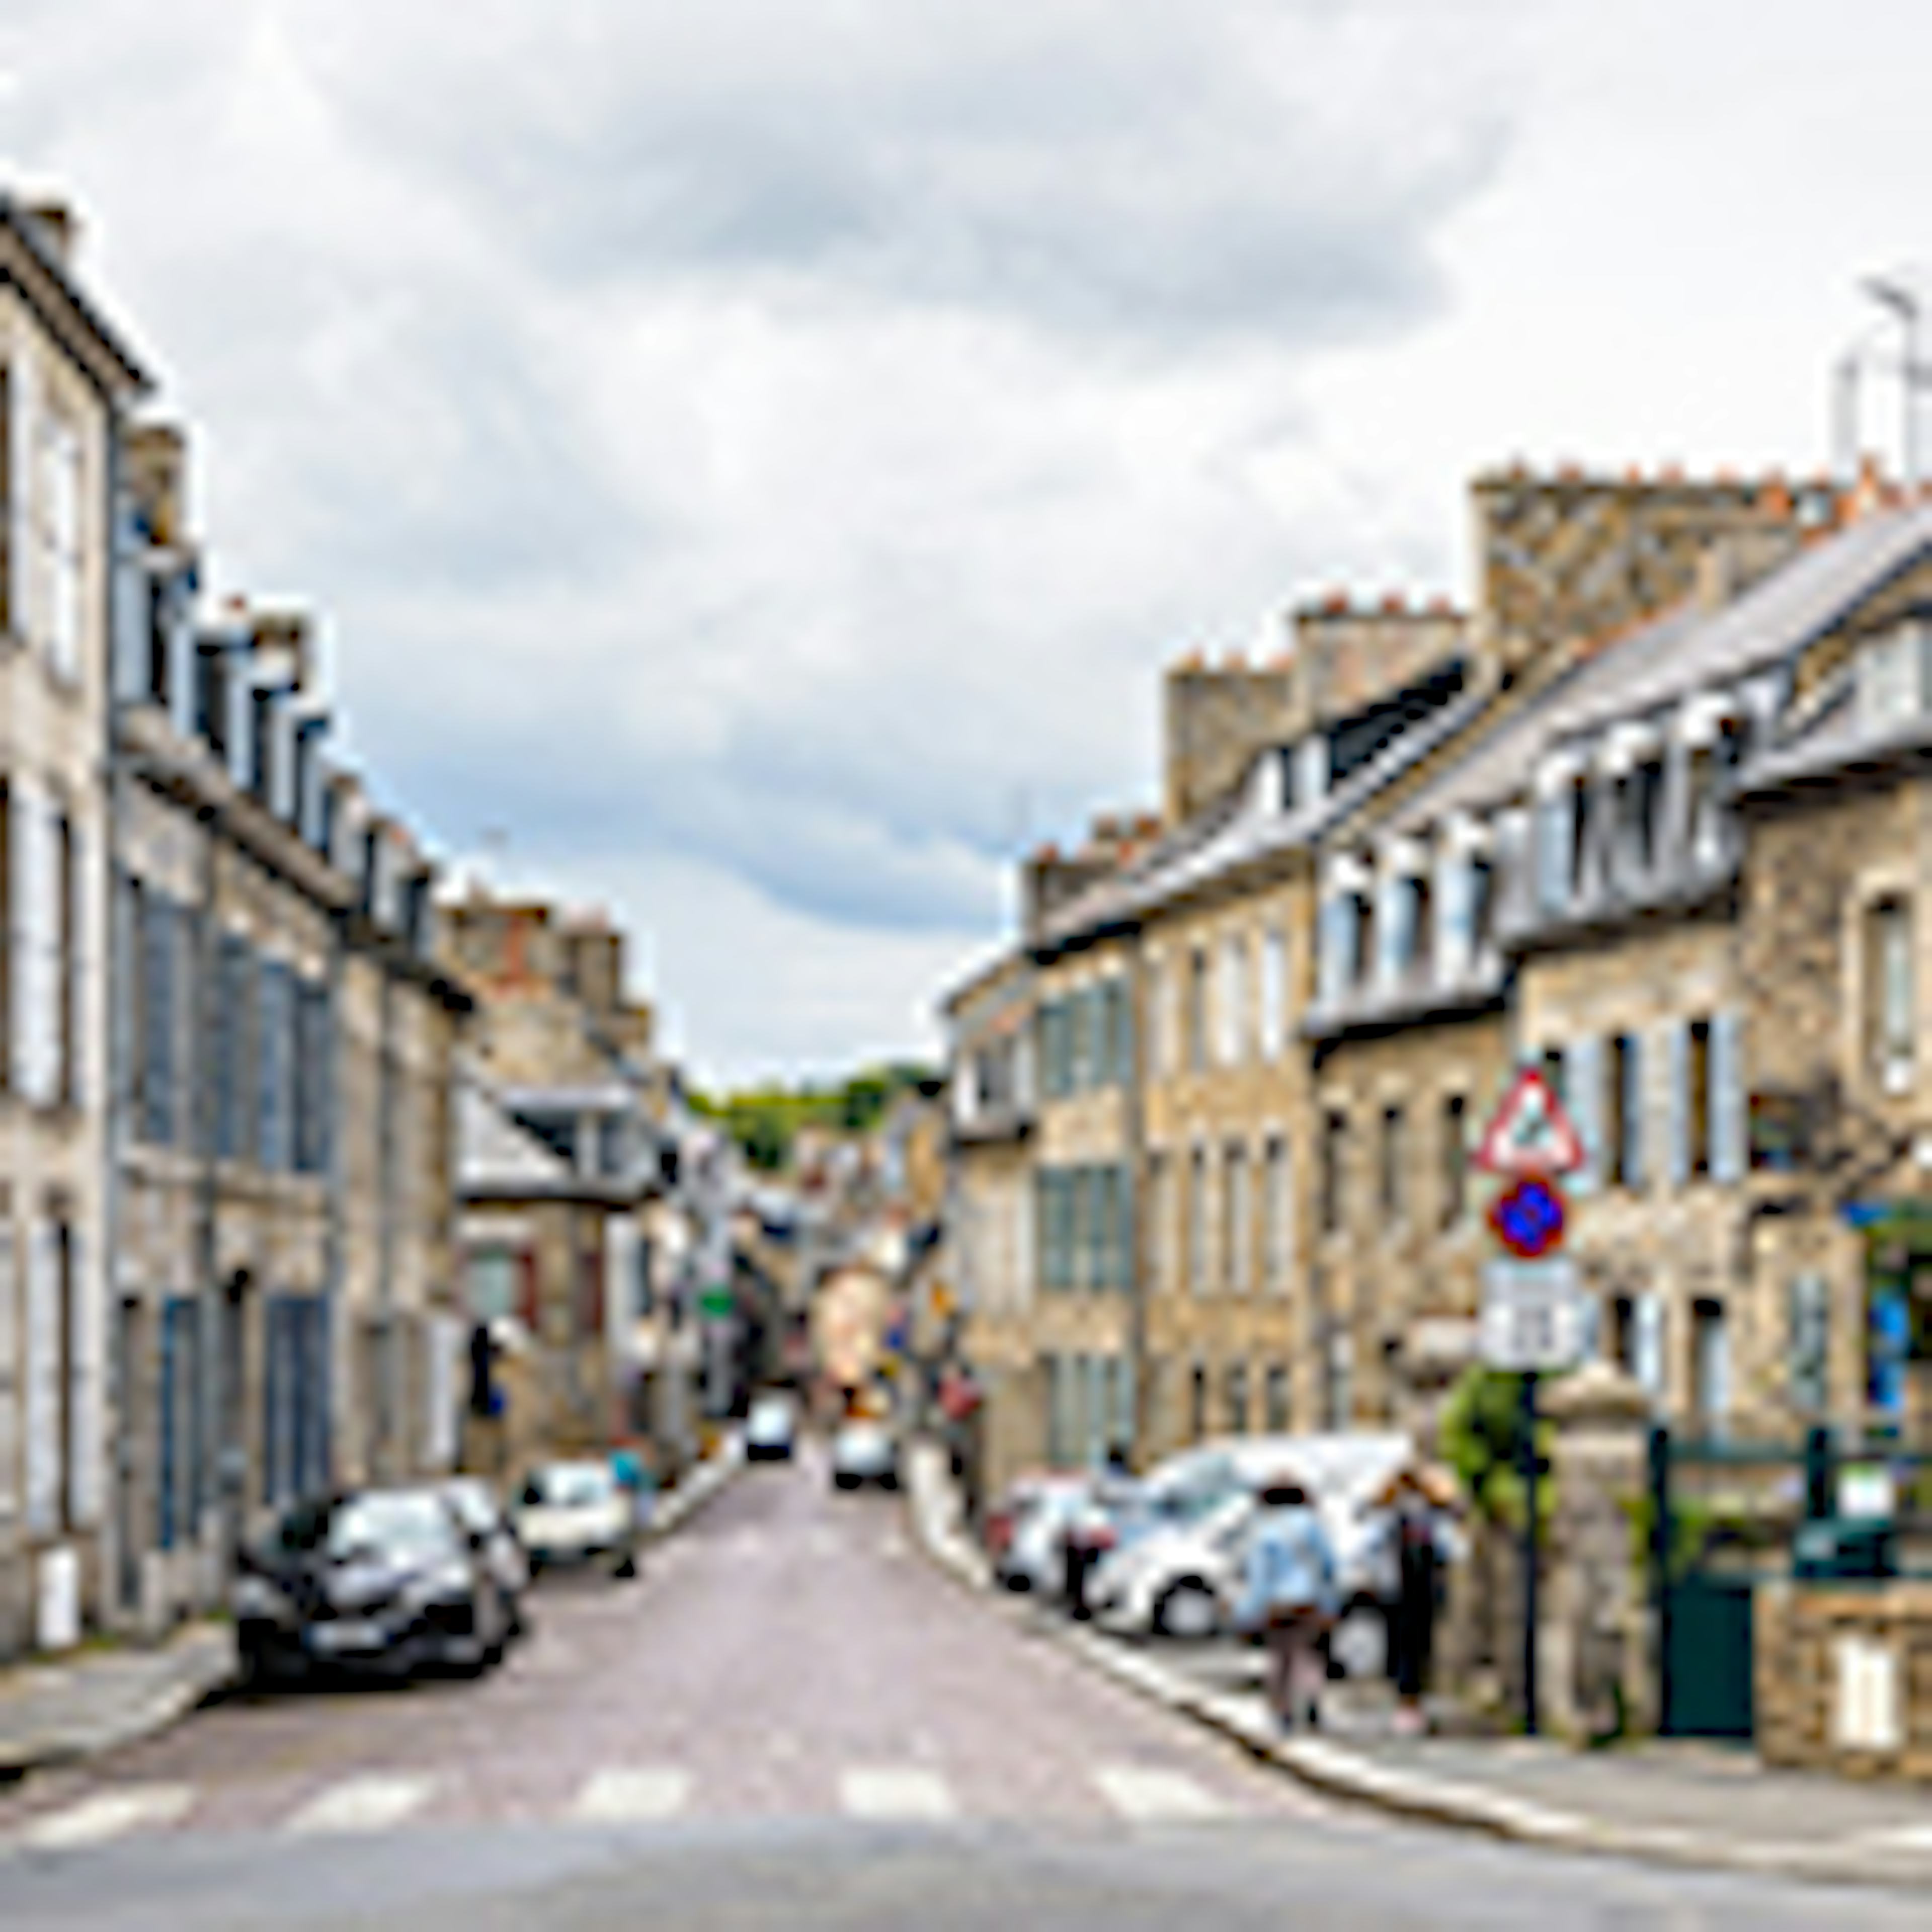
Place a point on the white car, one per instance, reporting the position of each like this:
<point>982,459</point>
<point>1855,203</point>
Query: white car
<point>770,1428</point>
<point>1184,1578</point>
<point>577,1513</point>
<point>863,1451</point>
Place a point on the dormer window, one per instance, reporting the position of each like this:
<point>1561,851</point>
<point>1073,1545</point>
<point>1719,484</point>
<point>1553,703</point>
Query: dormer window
<point>1895,676</point>
<point>160,640</point>
<point>1482,901</point>
<point>211,705</point>
<point>1641,811</point>
<point>261,746</point>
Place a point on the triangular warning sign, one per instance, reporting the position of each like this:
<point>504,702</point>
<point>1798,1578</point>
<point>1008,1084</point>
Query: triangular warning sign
<point>1530,1133</point>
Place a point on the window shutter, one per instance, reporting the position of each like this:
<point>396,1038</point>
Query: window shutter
<point>1729,1152</point>
<point>1391,917</point>
<point>1648,1343</point>
<point>1123,1399</point>
<point>84,1383</point>
<point>1810,1341</point>
<point>36,943</point>
<point>1455,933</point>
<point>1333,974</point>
<point>42,1377</point>
<point>85,1045</point>
<point>1554,834</point>
<point>1583,1081</point>
<point>1677,1115</point>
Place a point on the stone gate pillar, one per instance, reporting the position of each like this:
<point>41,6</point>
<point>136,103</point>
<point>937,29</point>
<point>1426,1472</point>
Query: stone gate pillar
<point>1593,1640</point>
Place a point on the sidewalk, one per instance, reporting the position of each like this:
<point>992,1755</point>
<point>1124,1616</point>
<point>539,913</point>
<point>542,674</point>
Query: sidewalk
<point>1673,1803</point>
<point>98,1698</point>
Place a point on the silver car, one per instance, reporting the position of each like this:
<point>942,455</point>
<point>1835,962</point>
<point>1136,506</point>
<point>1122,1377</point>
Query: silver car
<point>494,1541</point>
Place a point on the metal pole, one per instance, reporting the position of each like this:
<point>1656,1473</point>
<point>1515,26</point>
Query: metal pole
<point>1529,1486</point>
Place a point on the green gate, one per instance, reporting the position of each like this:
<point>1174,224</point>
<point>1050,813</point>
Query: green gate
<point>1725,1517</point>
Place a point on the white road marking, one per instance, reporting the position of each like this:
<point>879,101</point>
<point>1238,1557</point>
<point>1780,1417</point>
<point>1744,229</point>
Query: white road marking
<point>371,1804</point>
<point>1149,1796</point>
<point>896,1792</point>
<point>107,1814</point>
<point>639,1796</point>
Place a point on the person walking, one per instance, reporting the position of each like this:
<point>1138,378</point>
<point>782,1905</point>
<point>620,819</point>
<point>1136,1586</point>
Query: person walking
<point>1289,1596</point>
<point>1422,1536</point>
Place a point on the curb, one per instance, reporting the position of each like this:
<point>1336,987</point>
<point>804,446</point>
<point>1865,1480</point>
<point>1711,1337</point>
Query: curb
<point>194,1675</point>
<point>704,1482</point>
<point>957,1555</point>
<point>1338,1772</point>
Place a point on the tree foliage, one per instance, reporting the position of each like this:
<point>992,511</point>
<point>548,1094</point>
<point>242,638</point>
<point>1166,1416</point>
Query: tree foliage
<point>1482,1438</point>
<point>765,1121</point>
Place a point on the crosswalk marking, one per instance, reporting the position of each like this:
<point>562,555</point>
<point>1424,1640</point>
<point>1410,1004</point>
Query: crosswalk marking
<point>371,1804</point>
<point>107,1814</point>
<point>625,1797</point>
<point>896,1792</point>
<point>1148,1796</point>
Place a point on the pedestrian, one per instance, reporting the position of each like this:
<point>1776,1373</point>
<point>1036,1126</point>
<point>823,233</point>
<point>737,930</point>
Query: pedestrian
<point>1422,1537</point>
<point>1289,1596</point>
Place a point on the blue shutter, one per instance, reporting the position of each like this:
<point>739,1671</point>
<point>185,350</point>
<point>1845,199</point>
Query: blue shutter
<point>1677,1116</point>
<point>1729,1151</point>
<point>1648,1343</point>
<point>1555,835</point>
<point>1456,938</point>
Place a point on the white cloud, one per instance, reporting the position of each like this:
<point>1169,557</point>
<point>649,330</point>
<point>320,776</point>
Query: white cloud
<point>761,454</point>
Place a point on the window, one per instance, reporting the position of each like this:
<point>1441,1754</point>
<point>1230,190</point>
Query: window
<point>60,532</point>
<point>491,1279</point>
<point>1197,1404</point>
<point>1644,792</point>
<point>1710,1362</point>
<point>1197,1010</point>
<point>313,1096</point>
<point>1554,1071</point>
<point>1197,1221</point>
<point>1233,1014</point>
<point>1622,1340</point>
<point>211,697</point>
<point>262,745</point>
<point>1237,1398</point>
<point>1361,953</point>
<point>1334,1135</point>
<point>1160,1213</point>
<point>1889,993</point>
<point>1275,1410</point>
<point>1391,1188</point>
<point>1274,993</point>
<point>1275,1215</point>
<point>1621,1160</point>
<point>160,682</point>
<point>1697,1099</point>
<point>1482,903</point>
<point>1455,1159</point>
<point>1234,1218</point>
<point>1421,927</point>
<point>1580,834</point>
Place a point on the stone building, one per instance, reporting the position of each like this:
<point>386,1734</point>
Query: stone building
<point>561,1163</point>
<point>284,1284</point>
<point>65,379</point>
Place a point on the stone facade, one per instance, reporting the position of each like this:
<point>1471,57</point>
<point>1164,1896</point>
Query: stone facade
<point>64,381</point>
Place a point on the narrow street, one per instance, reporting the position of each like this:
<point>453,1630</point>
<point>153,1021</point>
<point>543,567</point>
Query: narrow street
<point>792,1719</point>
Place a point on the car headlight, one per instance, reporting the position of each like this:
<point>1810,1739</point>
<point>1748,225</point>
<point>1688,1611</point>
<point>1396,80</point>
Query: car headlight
<point>448,1582</point>
<point>257,1597</point>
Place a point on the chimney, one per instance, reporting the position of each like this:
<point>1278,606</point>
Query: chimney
<point>156,461</point>
<point>59,232</point>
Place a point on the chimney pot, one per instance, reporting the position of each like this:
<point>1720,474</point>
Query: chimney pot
<point>58,229</point>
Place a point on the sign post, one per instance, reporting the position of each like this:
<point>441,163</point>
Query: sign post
<point>1532,1315</point>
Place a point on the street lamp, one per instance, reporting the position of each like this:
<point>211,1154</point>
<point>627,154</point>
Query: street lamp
<point>1903,304</point>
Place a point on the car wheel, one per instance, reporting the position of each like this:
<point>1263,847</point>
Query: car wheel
<point>626,1567</point>
<point>1188,1610</point>
<point>843,1481</point>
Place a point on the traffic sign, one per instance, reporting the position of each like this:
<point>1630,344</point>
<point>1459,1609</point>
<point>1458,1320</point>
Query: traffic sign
<point>1528,1217</point>
<point>1530,1133</point>
<point>1533,1316</point>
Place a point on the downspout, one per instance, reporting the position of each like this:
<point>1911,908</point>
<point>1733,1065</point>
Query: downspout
<point>389,1375</point>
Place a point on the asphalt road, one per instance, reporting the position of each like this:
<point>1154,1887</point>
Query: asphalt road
<point>790,1721</point>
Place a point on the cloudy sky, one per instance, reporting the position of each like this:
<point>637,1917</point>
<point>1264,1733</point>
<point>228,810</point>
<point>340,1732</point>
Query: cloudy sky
<point>758,456</point>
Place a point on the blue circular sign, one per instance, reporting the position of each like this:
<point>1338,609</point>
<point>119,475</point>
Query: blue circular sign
<point>1529,1218</point>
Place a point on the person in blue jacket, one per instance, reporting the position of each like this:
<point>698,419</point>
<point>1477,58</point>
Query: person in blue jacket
<point>1287,1595</point>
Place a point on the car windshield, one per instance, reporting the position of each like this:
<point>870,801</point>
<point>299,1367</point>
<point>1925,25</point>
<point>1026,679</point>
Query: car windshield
<point>392,1523</point>
<point>770,1412</point>
<point>570,1485</point>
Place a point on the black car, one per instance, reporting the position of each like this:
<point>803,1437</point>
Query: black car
<point>385,1580</point>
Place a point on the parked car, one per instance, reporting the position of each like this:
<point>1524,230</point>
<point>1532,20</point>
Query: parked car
<point>863,1451</point>
<point>491,1536</point>
<point>577,1513</point>
<point>385,1580</point>
<point>1183,1577</point>
<point>771,1428</point>
<point>1040,1509</point>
